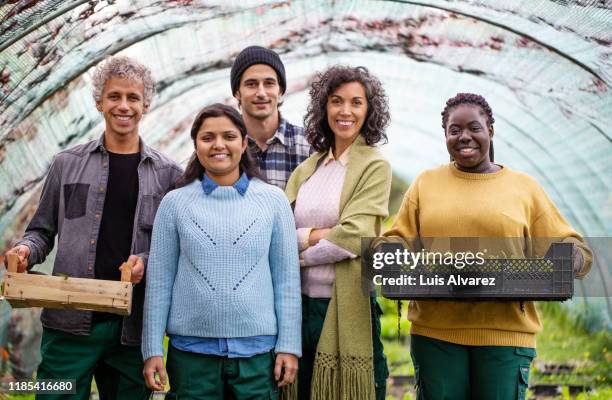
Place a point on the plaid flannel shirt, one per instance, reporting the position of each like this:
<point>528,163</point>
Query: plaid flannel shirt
<point>286,150</point>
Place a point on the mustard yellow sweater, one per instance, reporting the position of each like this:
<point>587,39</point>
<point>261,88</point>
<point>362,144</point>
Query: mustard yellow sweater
<point>446,202</point>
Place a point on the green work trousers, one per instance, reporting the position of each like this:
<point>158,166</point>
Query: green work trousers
<point>117,368</point>
<point>313,316</point>
<point>198,376</point>
<point>448,371</point>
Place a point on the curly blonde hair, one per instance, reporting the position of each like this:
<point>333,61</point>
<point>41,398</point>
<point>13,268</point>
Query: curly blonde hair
<point>123,67</point>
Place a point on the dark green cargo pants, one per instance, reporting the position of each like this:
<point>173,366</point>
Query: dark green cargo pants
<point>313,316</point>
<point>448,371</point>
<point>198,376</point>
<point>117,368</point>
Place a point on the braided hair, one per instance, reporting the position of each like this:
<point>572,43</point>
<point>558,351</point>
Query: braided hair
<point>471,99</point>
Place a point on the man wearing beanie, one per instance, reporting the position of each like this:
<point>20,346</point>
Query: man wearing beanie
<point>258,83</point>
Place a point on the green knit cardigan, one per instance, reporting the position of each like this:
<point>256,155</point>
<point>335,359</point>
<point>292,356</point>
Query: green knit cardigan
<point>343,366</point>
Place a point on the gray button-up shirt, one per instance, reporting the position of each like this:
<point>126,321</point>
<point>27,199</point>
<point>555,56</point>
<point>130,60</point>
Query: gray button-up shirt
<point>71,206</point>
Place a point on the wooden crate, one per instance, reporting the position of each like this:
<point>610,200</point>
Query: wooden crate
<point>31,290</point>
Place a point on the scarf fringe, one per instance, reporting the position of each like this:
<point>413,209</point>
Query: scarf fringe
<point>324,383</point>
<point>344,382</point>
<point>290,392</point>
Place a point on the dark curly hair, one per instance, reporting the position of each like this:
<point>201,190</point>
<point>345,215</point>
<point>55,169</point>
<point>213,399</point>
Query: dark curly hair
<point>318,132</point>
<point>473,99</point>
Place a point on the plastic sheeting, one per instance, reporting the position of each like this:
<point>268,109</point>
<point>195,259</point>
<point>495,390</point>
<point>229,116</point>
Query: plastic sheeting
<point>544,66</point>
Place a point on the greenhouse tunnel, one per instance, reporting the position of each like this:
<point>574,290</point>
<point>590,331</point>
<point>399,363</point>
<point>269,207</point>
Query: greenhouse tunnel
<point>544,66</point>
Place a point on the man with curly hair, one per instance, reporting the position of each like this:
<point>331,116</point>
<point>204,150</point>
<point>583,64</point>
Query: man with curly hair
<point>100,199</point>
<point>258,83</point>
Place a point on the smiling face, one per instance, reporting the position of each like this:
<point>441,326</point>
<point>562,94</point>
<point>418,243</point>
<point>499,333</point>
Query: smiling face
<point>219,148</point>
<point>259,91</point>
<point>122,105</point>
<point>347,108</point>
<point>468,138</point>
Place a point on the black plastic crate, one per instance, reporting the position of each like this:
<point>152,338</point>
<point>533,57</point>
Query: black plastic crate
<point>548,278</point>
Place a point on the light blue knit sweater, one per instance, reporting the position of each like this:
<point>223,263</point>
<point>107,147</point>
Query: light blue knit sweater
<point>223,265</point>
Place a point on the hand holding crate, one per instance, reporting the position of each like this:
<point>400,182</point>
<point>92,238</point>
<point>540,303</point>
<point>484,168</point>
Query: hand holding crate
<point>32,290</point>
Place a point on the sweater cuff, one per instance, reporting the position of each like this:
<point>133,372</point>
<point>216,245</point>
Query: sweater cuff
<point>288,350</point>
<point>303,234</point>
<point>149,350</point>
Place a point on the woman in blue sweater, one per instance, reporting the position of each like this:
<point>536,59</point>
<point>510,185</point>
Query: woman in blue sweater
<point>223,274</point>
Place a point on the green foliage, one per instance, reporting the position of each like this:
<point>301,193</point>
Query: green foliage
<point>597,394</point>
<point>389,320</point>
<point>389,327</point>
<point>564,341</point>
<point>398,358</point>
<point>398,188</point>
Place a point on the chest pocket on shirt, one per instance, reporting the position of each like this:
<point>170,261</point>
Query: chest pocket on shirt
<point>148,208</point>
<point>75,199</point>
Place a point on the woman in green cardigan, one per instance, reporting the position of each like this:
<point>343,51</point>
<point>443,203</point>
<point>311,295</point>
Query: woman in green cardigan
<point>340,195</point>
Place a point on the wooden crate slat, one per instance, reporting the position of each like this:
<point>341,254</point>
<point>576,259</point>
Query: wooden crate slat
<point>119,308</point>
<point>39,293</point>
<point>75,285</point>
<point>29,290</point>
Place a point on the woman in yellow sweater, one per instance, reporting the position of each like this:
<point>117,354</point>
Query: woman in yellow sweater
<point>477,350</point>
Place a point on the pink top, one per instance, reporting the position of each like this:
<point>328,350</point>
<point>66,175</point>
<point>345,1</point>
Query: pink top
<point>317,206</point>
